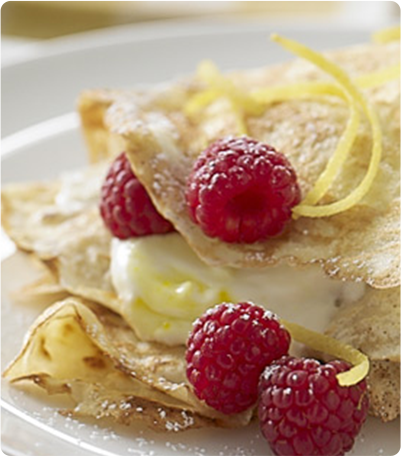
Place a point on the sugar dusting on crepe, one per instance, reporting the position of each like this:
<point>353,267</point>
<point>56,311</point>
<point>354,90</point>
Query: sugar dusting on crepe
<point>361,244</point>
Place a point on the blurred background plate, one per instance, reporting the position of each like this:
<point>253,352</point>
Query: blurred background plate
<point>42,20</point>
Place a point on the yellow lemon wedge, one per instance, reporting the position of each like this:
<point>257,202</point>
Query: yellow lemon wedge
<point>333,347</point>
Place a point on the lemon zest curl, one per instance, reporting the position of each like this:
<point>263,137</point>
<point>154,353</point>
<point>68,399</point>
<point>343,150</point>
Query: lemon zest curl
<point>254,103</point>
<point>333,347</point>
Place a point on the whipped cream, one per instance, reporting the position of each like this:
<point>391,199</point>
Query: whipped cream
<point>163,287</point>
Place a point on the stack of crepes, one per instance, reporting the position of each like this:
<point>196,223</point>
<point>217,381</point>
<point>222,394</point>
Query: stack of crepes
<point>86,345</point>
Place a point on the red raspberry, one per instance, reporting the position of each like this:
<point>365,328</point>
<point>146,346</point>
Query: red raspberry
<point>228,349</point>
<point>304,411</point>
<point>125,206</point>
<point>241,190</point>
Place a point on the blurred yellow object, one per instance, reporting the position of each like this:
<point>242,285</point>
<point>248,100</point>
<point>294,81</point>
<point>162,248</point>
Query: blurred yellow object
<point>41,19</point>
<point>51,19</point>
<point>386,35</point>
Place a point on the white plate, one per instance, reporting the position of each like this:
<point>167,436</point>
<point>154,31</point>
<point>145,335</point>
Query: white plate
<point>31,425</point>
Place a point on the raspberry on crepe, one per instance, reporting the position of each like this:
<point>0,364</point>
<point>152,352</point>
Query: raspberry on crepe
<point>241,190</point>
<point>125,205</point>
<point>227,351</point>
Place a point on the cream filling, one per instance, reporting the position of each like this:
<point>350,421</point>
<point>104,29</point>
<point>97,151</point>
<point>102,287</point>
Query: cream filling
<point>163,287</point>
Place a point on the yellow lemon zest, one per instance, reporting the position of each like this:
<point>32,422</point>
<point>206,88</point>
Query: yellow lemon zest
<point>200,100</point>
<point>280,93</point>
<point>209,74</point>
<point>355,97</point>
<point>290,91</point>
<point>221,86</point>
<point>347,139</point>
<point>386,35</point>
<point>344,145</point>
<point>366,81</point>
<point>306,89</point>
<point>335,162</point>
<point>254,102</point>
<point>364,186</point>
<point>333,347</point>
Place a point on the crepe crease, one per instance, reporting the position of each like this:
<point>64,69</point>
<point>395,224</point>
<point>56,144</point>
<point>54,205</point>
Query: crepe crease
<point>111,373</point>
<point>80,348</point>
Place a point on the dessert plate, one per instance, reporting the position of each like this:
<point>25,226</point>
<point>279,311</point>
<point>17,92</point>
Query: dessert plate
<point>31,425</point>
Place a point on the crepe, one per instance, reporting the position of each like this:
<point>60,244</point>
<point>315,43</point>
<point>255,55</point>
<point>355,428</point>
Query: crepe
<point>63,228</point>
<point>81,349</point>
<point>162,143</point>
<point>99,360</point>
<point>66,233</point>
<point>42,216</point>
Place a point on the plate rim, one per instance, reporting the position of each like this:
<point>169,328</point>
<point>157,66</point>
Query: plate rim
<point>175,28</point>
<point>109,39</point>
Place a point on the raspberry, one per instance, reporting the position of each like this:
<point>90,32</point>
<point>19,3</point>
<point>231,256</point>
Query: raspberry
<point>125,206</point>
<point>241,190</point>
<point>304,411</point>
<point>228,349</point>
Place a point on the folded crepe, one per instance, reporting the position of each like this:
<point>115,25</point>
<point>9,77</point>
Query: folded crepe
<point>162,142</point>
<point>81,349</point>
